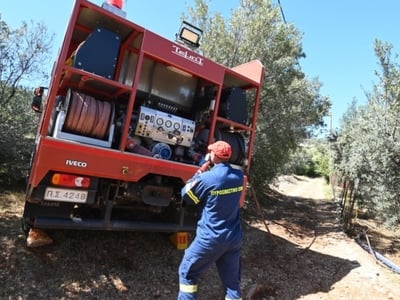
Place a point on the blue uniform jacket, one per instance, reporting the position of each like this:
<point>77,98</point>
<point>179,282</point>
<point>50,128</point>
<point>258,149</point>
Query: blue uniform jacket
<point>218,192</point>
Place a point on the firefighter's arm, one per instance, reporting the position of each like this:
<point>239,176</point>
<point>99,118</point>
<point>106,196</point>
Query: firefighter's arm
<point>191,191</point>
<point>188,192</point>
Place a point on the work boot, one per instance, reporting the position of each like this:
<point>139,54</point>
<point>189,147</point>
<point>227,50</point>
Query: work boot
<point>37,238</point>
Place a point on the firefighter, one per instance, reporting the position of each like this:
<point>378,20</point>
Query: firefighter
<point>219,235</point>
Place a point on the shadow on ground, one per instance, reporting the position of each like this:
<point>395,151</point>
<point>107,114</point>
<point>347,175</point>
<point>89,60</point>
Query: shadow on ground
<point>283,270</point>
<point>115,265</point>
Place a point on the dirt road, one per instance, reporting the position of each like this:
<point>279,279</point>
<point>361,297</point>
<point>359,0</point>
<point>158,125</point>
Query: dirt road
<point>368,279</point>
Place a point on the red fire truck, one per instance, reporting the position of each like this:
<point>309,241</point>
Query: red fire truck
<point>127,119</point>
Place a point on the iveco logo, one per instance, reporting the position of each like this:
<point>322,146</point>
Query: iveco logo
<point>75,163</point>
<point>185,54</point>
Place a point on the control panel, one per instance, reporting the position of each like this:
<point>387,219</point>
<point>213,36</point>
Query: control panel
<point>164,127</point>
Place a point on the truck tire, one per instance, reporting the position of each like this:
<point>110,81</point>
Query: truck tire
<point>26,226</point>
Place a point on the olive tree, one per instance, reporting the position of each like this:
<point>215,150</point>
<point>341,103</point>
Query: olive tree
<point>24,55</point>
<point>291,105</point>
<point>368,145</point>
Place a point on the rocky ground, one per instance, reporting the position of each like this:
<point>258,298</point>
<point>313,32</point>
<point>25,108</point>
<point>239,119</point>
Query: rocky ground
<point>299,252</point>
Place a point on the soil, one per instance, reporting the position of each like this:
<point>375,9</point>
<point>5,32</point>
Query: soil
<point>294,248</point>
<point>334,266</point>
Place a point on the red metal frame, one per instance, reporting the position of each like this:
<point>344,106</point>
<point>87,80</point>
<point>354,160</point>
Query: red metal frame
<point>52,153</point>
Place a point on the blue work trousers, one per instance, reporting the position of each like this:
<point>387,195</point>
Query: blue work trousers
<point>200,256</point>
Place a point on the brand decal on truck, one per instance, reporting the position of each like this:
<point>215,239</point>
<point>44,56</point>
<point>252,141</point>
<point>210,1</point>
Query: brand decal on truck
<point>75,163</point>
<point>186,55</point>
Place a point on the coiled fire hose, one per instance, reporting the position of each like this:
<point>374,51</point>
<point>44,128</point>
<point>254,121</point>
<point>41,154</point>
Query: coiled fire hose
<point>87,115</point>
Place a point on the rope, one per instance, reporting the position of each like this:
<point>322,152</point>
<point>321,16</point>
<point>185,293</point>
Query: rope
<point>87,116</point>
<point>260,211</point>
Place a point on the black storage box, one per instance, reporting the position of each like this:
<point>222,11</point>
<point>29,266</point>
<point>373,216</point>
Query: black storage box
<point>233,105</point>
<point>98,54</point>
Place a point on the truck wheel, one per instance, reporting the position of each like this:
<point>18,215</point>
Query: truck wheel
<point>26,226</point>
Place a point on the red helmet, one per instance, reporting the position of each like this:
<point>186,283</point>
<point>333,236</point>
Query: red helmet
<point>221,149</point>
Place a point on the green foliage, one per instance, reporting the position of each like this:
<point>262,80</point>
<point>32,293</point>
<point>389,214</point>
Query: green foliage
<point>291,105</point>
<point>322,160</point>
<point>368,146</point>
<point>23,54</point>
<point>311,159</point>
<point>18,126</point>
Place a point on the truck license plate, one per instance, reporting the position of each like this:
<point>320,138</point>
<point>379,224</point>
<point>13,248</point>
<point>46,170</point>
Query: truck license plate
<point>65,195</point>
